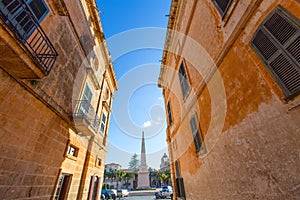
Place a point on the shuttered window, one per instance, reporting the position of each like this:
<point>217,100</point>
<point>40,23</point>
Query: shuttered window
<point>179,181</point>
<point>196,134</point>
<point>169,114</point>
<point>18,14</point>
<point>103,122</point>
<point>86,100</point>
<point>277,42</point>
<point>183,80</point>
<point>222,6</point>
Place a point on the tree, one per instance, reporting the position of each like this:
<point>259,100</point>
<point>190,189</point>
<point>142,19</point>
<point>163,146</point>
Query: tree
<point>106,174</point>
<point>112,175</point>
<point>152,176</point>
<point>127,177</point>
<point>158,176</point>
<point>120,176</point>
<point>165,176</point>
<point>134,163</point>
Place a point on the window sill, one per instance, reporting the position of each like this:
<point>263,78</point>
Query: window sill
<point>202,153</point>
<point>101,133</point>
<point>294,104</point>
<point>99,167</point>
<point>71,157</point>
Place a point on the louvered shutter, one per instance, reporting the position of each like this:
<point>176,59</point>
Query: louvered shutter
<point>196,134</point>
<point>222,6</point>
<point>277,42</point>
<point>18,14</point>
<point>183,80</point>
<point>86,100</point>
<point>169,114</point>
<point>39,8</point>
<point>180,187</point>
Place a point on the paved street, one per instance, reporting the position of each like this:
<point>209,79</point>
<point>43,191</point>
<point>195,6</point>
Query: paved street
<point>139,198</point>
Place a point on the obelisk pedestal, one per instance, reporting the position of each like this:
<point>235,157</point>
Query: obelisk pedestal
<point>143,173</point>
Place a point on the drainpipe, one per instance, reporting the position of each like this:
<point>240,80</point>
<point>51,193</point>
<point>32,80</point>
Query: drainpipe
<point>101,91</point>
<point>85,168</point>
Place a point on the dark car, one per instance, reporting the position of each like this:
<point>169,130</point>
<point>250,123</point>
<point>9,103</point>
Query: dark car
<point>108,194</point>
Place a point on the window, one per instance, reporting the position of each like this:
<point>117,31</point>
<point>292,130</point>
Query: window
<point>94,188</point>
<point>222,6</point>
<point>85,100</point>
<point>169,113</point>
<point>179,181</point>
<point>277,42</point>
<point>98,162</point>
<point>174,144</point>
<point>72,151</point>
<point>183,80</point>
<point>196,134</point>
<point>63,186</point>
<point>103,122</point>
<point>177,169</point>
<point>19,17</point>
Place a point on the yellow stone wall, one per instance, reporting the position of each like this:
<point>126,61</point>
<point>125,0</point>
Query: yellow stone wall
<point>36,122</point>
<point>253,153</point>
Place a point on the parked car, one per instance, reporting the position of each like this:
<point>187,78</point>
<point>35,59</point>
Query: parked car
<point>108,194</point>
<point>122,193</point>
<point>167,192</point>
<point>114,191</point>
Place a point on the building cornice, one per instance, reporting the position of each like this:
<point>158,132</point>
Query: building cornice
<point>173,16</point>
<point>98,30</point>
<point>95,20</point>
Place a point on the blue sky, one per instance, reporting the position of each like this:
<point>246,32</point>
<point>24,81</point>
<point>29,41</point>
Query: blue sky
<point>136,50</point>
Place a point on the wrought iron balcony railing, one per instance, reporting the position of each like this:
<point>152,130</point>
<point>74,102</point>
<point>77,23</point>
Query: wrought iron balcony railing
<point>85,111</point>
<point>20,19</point>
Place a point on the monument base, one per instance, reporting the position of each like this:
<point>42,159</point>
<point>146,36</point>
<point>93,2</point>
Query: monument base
<point>143,180</point>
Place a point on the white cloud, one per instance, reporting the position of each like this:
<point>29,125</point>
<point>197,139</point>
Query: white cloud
<point>147,124</point>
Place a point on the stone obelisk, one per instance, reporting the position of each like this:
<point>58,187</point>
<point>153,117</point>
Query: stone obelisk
<point>143,174</point>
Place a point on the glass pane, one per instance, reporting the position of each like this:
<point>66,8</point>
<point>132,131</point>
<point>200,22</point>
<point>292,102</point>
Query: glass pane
<point>38,8</point>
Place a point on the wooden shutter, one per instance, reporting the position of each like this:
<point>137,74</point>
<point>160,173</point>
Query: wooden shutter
<point>19,14</point>
<point>38,8</point>
<point>183,80</point>
<point>196,134</point>
<point>103,123</point>
<point>180,187</point>
<point>177,169</point>
<point>222,6</point>
<point>169,113</point>
<point>87,94</point>
<point>179,181</point>
<point>277,42</point>
<point>86,99</point>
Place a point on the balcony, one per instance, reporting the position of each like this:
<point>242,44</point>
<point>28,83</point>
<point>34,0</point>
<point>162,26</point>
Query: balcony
<point>26,51</point>
<point>85,118</point>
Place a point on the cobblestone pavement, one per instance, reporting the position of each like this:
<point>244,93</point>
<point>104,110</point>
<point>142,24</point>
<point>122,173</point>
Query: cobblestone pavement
<point>138,198</point>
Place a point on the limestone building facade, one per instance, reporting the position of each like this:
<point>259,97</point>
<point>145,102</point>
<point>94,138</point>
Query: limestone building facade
<point>112,166</point>
<point>230,75</point>
<point>56,90</point>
